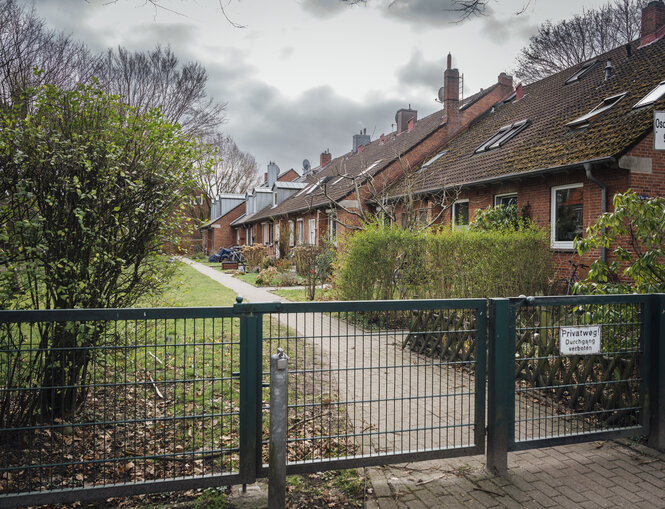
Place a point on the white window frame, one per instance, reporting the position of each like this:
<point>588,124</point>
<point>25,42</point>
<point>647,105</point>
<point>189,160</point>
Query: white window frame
<point>460,226</point>
<point>560,244</point>
<point>266,235</point>
<point>582,71</point>
<point>274,199</point>
<point>237,236</point>
<point>653,96</point>
<point>503,195</point>
<point>292,233</point>
<point>332,228</point>
<point>300,228</point>
<point>311,227</point>
<point>604,105</point>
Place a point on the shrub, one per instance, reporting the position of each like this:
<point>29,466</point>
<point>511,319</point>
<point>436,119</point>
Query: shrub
<point>386,262</point>
<point>502,217</point>
<point>636,231</point>
<point>286,279</point>
<point>266,276</point>
<point>254,255</point>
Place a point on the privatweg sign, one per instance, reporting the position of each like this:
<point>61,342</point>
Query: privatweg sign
<point>659,130</point>
<point>579,340</point>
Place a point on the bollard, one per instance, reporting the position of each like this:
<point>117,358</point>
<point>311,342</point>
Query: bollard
<point>279,400</point>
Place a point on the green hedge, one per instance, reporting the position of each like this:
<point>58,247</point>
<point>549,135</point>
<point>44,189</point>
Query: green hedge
<point>388,262</point>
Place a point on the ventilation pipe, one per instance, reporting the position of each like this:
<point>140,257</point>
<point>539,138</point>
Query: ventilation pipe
<point>603,202</point>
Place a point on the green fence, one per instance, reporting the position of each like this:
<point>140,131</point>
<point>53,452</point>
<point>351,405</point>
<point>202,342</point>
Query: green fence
<point>105,403</point>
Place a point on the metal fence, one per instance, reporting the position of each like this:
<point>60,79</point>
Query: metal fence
<point>103,403</point>
<point>97,403</point>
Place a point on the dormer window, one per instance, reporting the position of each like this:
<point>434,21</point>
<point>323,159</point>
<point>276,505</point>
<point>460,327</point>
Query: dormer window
<point>652,96</point>
<point>274,199</point>
<point>605,105</point>
<point>506,133</point>
<point>586,68</point>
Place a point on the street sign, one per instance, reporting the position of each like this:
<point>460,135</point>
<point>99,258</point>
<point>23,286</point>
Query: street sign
<point>583,340</point>
<point>659,130</point>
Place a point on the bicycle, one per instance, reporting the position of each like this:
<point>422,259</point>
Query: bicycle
<point>565,286</point>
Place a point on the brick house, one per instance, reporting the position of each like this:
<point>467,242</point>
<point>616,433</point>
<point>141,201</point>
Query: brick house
<point>333,195</point>
<point>227,209</point>
<point>560,148</point>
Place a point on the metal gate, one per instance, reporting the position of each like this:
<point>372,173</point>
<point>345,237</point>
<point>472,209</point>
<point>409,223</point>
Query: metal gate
<point>572,369</point>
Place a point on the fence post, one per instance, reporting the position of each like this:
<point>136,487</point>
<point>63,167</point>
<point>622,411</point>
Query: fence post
<point>251,372</point>
<point>501,386</point>
<point>279,400</point>
<point>654,353</point>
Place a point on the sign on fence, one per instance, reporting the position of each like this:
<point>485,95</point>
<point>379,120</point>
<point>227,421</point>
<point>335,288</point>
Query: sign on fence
<point>659,130</point>
<point>579,340</point>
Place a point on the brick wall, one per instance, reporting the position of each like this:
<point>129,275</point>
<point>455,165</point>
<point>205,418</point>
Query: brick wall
<point>220,233</point>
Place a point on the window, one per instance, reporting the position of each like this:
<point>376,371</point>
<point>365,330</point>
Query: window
<point>504,200</point>
<point>461,215</point>
<point>291,233</point>
<point>506,133</point>
<point>249,236</point>
<point>566,215</point>
<point>652,96</point>
<point>237,236</point>
<point>312,231</point>
<point>605,105</point>
<point>586,68</point>
<point>301,231</point>
<point>430,161</point>
<point>332,227</point>
<point>274,199</point>
<point>266,236</point>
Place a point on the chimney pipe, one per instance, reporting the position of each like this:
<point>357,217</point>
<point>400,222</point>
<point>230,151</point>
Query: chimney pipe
<point>451,93</point>
<point>608,70</point>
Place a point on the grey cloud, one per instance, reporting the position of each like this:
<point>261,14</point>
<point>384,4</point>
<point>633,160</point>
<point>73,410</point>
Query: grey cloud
<point>323,8</point>
<point>177,35</point>
<point>500,29</point>
<point>432,13</point>
<point>420,73</point>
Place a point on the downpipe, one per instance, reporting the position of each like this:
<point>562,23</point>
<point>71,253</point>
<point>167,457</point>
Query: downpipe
<point>603,202</point>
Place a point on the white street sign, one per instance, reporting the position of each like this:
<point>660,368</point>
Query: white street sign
<point>579,340</point>
<point>659,130</point>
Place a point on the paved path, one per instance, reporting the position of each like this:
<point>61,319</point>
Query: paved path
<point>598,474</point>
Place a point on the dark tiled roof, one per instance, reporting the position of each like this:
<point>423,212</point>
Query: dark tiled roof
<point>371,160</point>
<point>549,105</point>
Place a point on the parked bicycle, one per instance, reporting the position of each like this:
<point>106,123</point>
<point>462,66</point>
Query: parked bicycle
<point>565,286</point>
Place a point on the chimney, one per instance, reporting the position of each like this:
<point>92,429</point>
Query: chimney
<point>451,93</point>
<point>653,22</point>
<point>505,80</point>
<point>272,174</point>
<point>326,157</point>
<point>608,70</point>
<point>403,117</point>
<point>361,139</point>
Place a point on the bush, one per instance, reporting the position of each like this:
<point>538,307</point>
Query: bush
<point>502,217</point>
<point>286,279</point>
<point>266,276</point>
<point>387,262</point>
<point>636,232</point>
<point>254,255</point>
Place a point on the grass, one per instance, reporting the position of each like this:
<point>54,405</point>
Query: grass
<point>300,294</point>
<point>248,277</point>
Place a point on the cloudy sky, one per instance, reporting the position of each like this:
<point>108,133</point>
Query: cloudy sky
<point>305,75</point>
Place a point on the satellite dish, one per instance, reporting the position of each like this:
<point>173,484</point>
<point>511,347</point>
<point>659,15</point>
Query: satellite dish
<point>305,165</point>
<point>441,94</point>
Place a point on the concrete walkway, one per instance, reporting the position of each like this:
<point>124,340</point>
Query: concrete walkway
<point>399,401</point>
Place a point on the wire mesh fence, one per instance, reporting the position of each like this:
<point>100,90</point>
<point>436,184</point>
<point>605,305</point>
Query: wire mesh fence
<point>357,389</point>
<point>561,389</point>
<point>134,396</point>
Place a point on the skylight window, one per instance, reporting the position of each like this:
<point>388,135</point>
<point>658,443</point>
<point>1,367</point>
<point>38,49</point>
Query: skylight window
<point>370,167</point>
<point>438,156</point>
<point>506,133</point>
<point>581,72</point>
<point>311,187</point>
<point>652,96</point>
<point>605,105</point>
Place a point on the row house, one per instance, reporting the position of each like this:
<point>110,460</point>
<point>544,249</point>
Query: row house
<point>334,196</point>
<point>228,209</point>
<point>559,148</point>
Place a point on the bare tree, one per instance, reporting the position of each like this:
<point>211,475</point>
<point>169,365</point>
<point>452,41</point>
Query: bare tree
<point>562,45</point>
<point>32,54</point>
<point>157,79</point>
<point>224,169</point>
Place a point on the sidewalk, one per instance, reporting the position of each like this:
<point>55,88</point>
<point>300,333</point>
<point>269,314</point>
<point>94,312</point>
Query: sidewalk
<point>591,475</point>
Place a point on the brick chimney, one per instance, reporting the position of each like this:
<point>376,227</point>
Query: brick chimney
<point>326,157</point>
<point>403,117</point>
<point>653,22</point>
<point>451,94</point>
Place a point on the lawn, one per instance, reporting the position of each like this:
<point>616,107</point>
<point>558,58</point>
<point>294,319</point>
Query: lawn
<point>300,294</point>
